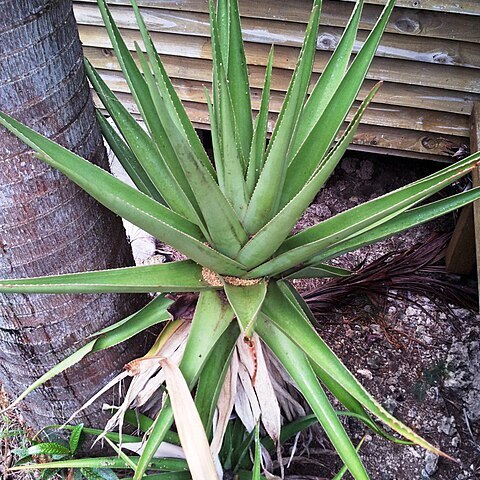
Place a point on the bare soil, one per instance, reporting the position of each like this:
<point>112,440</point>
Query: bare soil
<point>418,356</point>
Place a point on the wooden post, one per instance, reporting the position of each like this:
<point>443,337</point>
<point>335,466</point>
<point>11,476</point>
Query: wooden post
<point>475,146</point>
<point>464,248</point>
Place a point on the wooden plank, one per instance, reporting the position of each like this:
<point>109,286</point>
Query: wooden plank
<point>463,251</point>
<point>393,70</point>
<point>421,49</point>
<point>460,256</point>
<point>376,114</point>
<point>409,141</point>
<point>467,7</point>
<point>335,13</point>
<point>390,93</point>
<point>475,146</point>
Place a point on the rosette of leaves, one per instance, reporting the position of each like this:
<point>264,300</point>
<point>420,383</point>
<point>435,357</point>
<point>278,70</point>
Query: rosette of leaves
<point>233,216</point>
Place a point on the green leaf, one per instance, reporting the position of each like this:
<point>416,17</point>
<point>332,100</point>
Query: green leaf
<point>305,162</point>
<point>127,159</point>
<point>97,431</point>
<point>296,326</point>
<point>257,462</point>
<point>75,438</point>
<point>246,302</point>
<point>144,423</point>
<point>171,100</point>
<point>415,216</point>
<point>257,152</point>
<point>264,202</point>
<point>183,276</point>
<point>165,464</point>
<point>224,228</point>
<point>298,367</point>
<point>158,124</point>
<point>237,78</point>
<point>266,241</point>
<point>153,313</point>
<point>320,271</point>
<point>49,448</point>
<point>167,476</point>
<point>213,375</point>
<point>290,430</point>
<point>126,201</point>
<point>91,474</point>
<point>357,220</point>
<point>144,149</point>
<point>344,469</point>
<point>328,82</point>
<point>212,317</point>
<point>232,162</point>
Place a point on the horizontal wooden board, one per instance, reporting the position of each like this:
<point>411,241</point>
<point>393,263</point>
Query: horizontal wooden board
<point>397,71</point>
<point>390,93</point>
<point>377,113</point>
<point>409,141</point>
<point>466,7</point>
<point>416,48</point>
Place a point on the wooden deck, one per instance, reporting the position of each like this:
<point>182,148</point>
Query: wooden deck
<point>429,60</point>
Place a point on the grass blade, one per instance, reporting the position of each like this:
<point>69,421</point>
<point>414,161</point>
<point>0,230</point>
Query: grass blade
<point>162,464</point>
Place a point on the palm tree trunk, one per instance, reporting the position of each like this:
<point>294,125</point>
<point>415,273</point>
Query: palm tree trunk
<point>47,224</point>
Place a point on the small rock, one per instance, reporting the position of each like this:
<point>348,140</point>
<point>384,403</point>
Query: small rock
<point>349,165</point>
<point>431,463</point>
<point>411,311</point>
<point>366,170</point>
<point>455,441</point>
<point>447,426</point>
<point>365,373</point>
<point>390,405</point>
<point>374,362</point>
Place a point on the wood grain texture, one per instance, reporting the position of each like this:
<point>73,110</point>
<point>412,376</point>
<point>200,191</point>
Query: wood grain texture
<point>398,71</point>
<point>294,11</point>
<point>428,59</point>
<point>376,114</point>
<point>391,93</point>
<point>425,143</point>
<point>257,30</point>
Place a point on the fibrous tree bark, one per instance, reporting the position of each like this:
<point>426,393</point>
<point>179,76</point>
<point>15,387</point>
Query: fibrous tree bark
<point>47,224</point>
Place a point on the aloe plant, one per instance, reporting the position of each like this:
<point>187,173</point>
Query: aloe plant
<point>233,217</point>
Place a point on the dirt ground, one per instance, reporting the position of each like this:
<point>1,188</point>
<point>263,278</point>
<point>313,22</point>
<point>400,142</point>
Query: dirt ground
<point>417,356</point>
